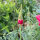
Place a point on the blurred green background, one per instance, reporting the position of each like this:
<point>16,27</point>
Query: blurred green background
<point>9,11</point>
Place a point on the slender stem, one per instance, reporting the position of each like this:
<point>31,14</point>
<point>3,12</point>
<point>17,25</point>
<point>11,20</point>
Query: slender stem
<point>20,32</point>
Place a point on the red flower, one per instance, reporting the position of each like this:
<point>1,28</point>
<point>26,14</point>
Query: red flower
<point>38,18</point>
<point>20,21</point>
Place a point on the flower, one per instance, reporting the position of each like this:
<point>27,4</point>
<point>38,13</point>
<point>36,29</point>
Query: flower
<point>20,18</point>
<point>20,21</point>
<point>38,18</point>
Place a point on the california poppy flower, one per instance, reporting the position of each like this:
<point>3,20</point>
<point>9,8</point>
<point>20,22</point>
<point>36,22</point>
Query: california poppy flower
<point>38,18</point>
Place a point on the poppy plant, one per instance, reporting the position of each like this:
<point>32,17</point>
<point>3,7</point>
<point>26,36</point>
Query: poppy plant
<point>20,21</point>
<point>38,18</point>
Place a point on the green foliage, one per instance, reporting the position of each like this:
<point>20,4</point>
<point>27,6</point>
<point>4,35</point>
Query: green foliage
<point>7,10</point>
<point>31,32</point>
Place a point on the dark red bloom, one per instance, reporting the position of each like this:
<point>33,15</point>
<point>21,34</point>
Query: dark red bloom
<point>20,21</point>
<point>38,18</point>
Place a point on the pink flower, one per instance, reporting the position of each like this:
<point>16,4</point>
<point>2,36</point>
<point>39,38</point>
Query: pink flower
<point>38,18</point>
<point>39,24</point>
<point>20,21</point>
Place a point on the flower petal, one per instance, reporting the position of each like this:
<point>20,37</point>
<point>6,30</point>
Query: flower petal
<point>38,17</point>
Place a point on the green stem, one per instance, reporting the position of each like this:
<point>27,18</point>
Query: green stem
<point>20,32</point>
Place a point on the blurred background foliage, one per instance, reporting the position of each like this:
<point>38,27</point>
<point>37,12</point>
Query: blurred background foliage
<point>9,10</point>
